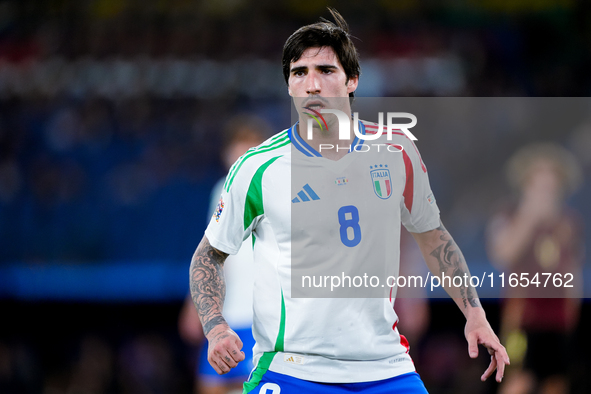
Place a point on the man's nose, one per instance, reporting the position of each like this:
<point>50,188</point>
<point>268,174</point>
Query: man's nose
<point>312,84</point>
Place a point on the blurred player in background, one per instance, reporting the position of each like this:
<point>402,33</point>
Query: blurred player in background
<point>326,345</point>
<point>539,234</point>
<point>241,133</point>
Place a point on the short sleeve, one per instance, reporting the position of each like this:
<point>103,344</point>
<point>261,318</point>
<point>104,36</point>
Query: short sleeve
<point>226,230</point>
<point>419,211</point>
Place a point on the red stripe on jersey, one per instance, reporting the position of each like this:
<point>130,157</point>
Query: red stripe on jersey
<point>394,325</point>
<point>388,188</point>
<point>404,342</point>
<point>375,126</point>
<point>420,158</point>
<point>409,186</point>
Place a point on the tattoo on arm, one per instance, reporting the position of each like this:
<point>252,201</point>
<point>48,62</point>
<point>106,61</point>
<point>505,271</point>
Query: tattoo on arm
<point>208,287</point>
<point>452,262</point>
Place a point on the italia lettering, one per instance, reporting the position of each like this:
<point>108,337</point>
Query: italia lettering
<point>379,174</point>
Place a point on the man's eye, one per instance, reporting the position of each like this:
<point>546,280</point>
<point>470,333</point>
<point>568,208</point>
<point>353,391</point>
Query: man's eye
<point>298,73</point>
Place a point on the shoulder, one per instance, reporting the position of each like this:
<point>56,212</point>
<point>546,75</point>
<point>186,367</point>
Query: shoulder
<point>257,159</point>
<point>396,138</point>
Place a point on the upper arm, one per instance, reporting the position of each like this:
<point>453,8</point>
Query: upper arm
<point>419,211</point>
<point>206,250</point>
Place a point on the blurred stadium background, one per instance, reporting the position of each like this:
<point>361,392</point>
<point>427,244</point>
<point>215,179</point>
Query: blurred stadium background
<point>110,125</point>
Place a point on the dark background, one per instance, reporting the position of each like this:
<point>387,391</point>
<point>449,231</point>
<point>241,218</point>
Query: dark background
<point>111,118</point>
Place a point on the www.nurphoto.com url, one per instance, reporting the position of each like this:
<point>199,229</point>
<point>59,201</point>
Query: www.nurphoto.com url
<point>523,279</point>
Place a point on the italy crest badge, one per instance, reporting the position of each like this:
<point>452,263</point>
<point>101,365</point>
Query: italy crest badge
<point>382,183</point>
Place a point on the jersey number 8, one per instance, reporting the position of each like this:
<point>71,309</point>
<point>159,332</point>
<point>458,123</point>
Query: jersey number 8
<point>349,219</point>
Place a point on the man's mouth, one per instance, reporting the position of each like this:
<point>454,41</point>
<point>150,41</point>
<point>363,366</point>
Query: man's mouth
<point>315,108</point>
<point>315,105</point>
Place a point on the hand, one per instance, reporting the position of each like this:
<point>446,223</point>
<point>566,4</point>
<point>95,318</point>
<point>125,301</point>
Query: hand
<point>224,350</point>
<point>479,332</point>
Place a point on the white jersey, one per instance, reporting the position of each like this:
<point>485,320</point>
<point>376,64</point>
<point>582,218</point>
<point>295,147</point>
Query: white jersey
<point>239,275</point>
<point>363,199</point>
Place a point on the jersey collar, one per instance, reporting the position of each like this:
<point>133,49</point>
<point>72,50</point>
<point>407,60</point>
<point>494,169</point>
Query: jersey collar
<point>307,150</point>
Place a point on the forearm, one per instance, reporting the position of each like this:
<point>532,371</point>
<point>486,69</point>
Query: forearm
<point>444,257</point>
<point>208,287</point>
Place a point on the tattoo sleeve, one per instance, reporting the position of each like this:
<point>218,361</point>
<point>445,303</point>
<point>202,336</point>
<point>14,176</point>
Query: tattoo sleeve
<point>208,287</point>
<point>452,263</point>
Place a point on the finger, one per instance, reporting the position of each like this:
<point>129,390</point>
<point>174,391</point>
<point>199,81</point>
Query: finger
<point>228,359</point>
<point>495,348</point>
<point>472,346</point>
<point>221,355</point>
<point>214,364</point>
<point>216,359</point>
<point>238,355</point>
<point>499,353</point>
<point>223,367</point>
<point>491,367</point>
<point>500,367</point>
<point>235,352</point>
<point>504,355</point>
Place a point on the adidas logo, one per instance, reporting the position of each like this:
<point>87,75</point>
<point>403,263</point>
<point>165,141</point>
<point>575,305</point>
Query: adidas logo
<point>306,194</point>
<point>293,359</point>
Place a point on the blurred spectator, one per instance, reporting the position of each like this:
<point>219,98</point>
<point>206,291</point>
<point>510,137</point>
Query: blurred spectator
<point>539,234</point>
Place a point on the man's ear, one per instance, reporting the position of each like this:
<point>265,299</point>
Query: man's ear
<point>289,91</point>
<point>352,84</point>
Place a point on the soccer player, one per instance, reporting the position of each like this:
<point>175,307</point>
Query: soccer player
<point>324,345</point>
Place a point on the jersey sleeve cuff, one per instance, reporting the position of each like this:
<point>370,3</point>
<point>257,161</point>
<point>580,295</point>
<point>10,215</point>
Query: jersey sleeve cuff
<point>430,225</point>
<point>219,245</point>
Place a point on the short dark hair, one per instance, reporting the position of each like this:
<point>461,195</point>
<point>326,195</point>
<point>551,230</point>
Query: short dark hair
<point>323,34</point>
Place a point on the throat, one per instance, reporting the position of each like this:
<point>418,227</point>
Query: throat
<point>327,143</point>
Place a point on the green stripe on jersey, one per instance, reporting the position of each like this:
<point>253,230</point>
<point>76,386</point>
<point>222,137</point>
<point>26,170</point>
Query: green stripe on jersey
<point>257,375</point>
<point>282,139</point>
<point>280,342</point>
<point>252,150</point>
<point>267,357</point>
<point>253,206</point>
